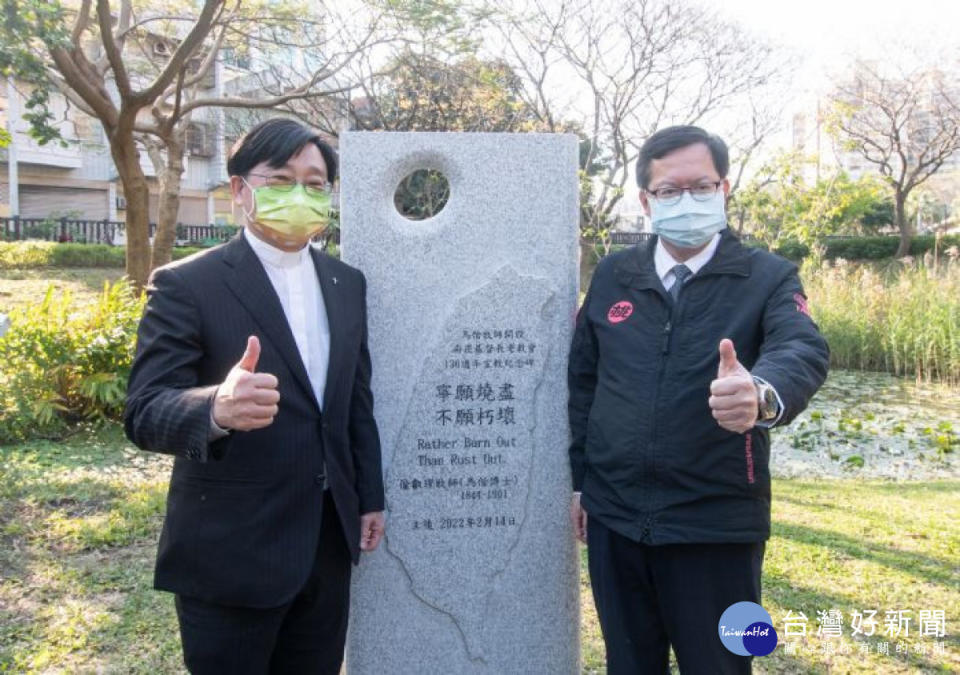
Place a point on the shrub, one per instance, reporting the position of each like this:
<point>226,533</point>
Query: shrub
<point>25,253</point>
<point>861,248</point>
<point>793,250</point>
<point>86,255</point>
<point>20,254</point>
<point>60,365</point>
<point>879,248</point>
<point>184,251</point>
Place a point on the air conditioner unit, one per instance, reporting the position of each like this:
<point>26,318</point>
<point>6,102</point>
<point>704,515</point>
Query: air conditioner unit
<point>121,203</point>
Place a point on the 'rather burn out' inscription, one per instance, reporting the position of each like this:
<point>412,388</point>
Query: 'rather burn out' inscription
<point>459,477</point>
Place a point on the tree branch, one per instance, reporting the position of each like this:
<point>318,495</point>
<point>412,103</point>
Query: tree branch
<point>105,19</point>
<point>302,92</point>
<point>211,9</point>
<point>83,20</point>
<point>92,93</point>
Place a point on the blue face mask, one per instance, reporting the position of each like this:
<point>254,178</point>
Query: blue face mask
<point>689,223</point>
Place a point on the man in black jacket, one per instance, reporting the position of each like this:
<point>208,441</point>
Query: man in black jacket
<point>687,350</point>
<point>252,369</point>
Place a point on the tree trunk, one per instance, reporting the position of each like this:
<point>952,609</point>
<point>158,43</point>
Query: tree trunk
<point>169,200</point>
<point>126,157</point>
<point>903,224</point>
<point>588,262</point>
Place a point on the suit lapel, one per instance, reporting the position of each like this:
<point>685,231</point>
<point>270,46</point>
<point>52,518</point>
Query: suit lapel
<point>249,282</point>
<point>331,287</point>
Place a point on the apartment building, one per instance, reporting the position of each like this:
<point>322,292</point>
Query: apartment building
<point>77,178</point>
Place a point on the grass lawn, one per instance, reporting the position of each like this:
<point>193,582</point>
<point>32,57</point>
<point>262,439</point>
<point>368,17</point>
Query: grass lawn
<point>78,528</point>
<point>850,545</point>
<point>79,522</point>
<point>21,286</point>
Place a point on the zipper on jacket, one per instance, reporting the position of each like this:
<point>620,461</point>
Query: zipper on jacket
<point>649,463</point>
<point>645,534</point>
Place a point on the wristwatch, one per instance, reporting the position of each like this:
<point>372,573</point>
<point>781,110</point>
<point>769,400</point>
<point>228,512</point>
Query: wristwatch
<point>767,405</point>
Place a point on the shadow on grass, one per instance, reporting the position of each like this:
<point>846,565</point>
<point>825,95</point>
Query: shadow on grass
<point>93,277</point>
<point>107,589</point>
<point>900,489</point>
<point>78,527</point>
<point>95,447</point>
<point>141,611</point>
<point>925,567</point>
<point>784,592</point>
<point>868,518</point>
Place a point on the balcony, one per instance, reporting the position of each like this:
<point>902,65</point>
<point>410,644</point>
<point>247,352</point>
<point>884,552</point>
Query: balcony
<point>51,154</point>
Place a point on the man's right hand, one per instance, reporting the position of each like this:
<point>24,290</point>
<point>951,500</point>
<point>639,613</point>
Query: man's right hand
<point>246,400</point>
<point>579,518</point>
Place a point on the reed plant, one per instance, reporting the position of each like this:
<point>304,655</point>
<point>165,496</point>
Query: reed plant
<point>902,317</point>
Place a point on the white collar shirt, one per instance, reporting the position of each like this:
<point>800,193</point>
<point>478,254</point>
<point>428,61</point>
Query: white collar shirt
<point>665,262</point>
<point>294,278</point>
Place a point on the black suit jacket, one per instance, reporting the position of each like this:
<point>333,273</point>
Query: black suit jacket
<point>244,511</point>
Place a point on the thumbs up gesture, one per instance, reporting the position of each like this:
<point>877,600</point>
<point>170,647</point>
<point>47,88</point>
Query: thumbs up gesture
<point>733,395</point>
<point>247,399</point>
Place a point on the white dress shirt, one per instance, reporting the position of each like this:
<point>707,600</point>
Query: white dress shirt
<point>665,263</point>
<point>294,278</point>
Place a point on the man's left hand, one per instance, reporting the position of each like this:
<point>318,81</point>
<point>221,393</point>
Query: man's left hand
<point>733,395</point>
<point>371,530</point>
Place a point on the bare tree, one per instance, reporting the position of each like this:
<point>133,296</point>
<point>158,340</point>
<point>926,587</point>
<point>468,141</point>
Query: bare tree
<point>427,77</point>
<point>101,56</point>
<point>905,121</point>
<point>424,92</point>
<point>625,68</point>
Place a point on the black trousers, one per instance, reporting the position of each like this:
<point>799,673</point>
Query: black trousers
<point>304,636</point>
<point>651,597</point>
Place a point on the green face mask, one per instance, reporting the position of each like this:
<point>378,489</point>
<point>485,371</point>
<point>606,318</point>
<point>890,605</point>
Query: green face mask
<point>292,215</point>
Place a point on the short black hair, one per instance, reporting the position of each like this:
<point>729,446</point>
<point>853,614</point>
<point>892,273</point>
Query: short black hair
<point>275,141</point>
<point>665,141</point>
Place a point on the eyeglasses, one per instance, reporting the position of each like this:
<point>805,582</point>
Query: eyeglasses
<point>701,192</point>
<point>286,184</point>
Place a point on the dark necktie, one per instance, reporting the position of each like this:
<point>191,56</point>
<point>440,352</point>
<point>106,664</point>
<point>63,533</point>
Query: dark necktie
<point>680,275</point>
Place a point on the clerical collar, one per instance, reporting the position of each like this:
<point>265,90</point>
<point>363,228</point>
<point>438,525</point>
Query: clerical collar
<point>271,255</point>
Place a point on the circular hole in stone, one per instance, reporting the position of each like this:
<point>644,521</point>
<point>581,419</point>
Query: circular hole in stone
<point>422,194</point>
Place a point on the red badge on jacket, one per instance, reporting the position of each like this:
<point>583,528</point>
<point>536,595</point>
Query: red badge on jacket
<point>620,312</point>
<point>802,305</point>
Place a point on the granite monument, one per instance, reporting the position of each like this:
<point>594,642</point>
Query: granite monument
<point>470,314</point>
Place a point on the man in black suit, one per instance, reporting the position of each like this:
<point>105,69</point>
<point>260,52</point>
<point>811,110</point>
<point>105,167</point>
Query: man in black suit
<point>252,369</point>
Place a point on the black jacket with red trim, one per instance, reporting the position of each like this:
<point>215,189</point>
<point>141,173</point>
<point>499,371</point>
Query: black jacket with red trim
<point>646,452</point>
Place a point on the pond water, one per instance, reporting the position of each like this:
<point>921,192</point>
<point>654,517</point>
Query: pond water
<point>872,425</point>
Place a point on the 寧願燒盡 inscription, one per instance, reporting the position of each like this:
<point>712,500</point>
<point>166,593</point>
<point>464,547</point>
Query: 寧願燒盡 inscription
<point>459,479</point>
<point>470,310</point>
